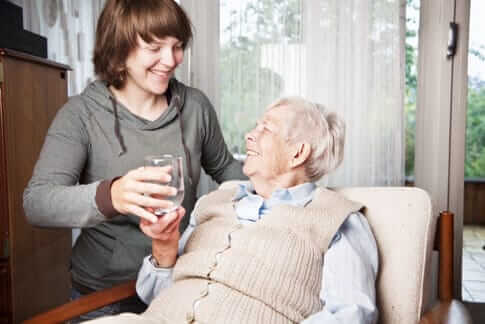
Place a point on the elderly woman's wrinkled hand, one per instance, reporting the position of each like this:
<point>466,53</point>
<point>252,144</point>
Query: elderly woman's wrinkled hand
<point>166,229</point>
<point>165,236</point>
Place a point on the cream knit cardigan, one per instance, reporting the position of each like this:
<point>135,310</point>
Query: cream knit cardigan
<point>266,272</point>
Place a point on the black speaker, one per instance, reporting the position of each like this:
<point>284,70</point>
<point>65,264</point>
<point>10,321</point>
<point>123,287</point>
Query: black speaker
<point>13,35</point>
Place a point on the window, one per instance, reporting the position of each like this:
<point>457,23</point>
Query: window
<point>346,55</point>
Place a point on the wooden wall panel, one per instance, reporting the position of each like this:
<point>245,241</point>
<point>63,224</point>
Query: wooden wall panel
<point>474,204</point>
<point>469,198</point>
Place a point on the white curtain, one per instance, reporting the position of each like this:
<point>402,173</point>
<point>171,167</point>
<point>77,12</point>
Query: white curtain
<point>346,54</point>
<point>69,26</point>
<point>199,67</point>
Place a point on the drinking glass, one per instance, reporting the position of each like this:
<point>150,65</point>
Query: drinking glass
<point>176,182</point>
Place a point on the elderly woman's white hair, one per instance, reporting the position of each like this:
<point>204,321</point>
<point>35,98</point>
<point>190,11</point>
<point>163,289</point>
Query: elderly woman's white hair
<point>321,128</point>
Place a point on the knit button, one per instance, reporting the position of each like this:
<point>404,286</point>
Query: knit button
<point>211,270</point>
<point>204,292</point>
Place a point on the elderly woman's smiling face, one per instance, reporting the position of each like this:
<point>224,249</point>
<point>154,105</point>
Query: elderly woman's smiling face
<point>267,150</point>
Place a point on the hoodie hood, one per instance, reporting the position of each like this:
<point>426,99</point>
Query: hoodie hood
<point>104,99</point>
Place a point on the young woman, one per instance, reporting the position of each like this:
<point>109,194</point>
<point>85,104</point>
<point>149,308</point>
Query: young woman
<point>89,173</point>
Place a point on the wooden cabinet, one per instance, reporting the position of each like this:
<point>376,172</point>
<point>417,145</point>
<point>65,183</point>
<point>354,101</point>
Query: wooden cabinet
<point>34,262</point>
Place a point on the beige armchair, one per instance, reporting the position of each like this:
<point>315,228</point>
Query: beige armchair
<point>404,226</point>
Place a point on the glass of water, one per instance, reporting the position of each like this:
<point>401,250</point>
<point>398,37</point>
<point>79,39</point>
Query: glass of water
<point>176,182</point>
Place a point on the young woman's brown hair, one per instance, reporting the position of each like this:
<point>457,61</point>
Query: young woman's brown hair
<point>122,21</point>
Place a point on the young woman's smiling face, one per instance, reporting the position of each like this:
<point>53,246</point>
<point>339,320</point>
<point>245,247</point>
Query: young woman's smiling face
<point>151,65</point>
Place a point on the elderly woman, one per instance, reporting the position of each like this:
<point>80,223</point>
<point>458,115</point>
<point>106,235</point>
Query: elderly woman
<point>277,249</point>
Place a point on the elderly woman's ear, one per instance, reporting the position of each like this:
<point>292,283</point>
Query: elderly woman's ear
<point>300,153</point>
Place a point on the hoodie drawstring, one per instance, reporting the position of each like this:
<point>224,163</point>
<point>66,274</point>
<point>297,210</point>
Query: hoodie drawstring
<point>117,127</point>
<point>186,151</point>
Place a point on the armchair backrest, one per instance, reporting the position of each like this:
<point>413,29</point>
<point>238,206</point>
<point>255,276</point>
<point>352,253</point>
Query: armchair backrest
<point>404,227</point>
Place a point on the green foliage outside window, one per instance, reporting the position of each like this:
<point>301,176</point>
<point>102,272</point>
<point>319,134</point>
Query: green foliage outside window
<point>475,132</point>
<point>412,16</point>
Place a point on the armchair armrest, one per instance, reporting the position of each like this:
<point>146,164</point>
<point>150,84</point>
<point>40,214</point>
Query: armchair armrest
<point>447,312</point>
<point>85,304</point>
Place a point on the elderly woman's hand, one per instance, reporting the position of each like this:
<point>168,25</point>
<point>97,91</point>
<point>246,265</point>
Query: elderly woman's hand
<point>165,236</point>
<point>166,227</point>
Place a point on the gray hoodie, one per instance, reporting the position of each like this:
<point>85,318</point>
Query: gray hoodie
<point>94,139</point>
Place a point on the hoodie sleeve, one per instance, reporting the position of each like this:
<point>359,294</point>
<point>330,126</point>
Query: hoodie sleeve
<point>217,161</point>
<point>53,196</point>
